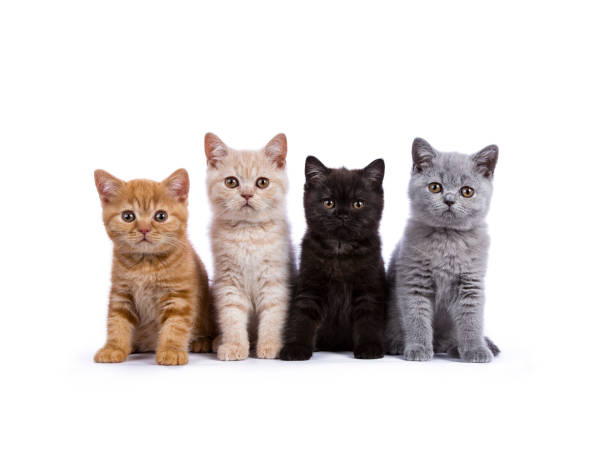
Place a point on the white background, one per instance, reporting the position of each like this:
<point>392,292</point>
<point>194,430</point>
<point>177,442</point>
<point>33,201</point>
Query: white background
<point>132,87</point>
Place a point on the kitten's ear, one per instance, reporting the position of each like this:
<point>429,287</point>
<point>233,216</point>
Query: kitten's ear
<point>315,170</point>
<point>178,184</point>
<point>107,185</point>
<point>422,154</point>
<point>276,150</point>
<point>486,159</point>
<point>375,172</point>
<point>215,149</point>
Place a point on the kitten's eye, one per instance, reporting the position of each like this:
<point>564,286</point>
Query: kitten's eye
<point>231,182</point>
<point>262,182</point>
<point>467,192</point>
<point>128,216</point>
<point>161,216</point>
<point>329,204</point>
<point>435,187</point>
<point>359,204</point>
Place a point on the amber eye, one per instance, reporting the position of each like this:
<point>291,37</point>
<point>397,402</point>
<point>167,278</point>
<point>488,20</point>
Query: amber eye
<point>262,182</point>
<point>359,204</point>
<point>329,204</point>
<point>435,187</point>
<point>128,216</point>
<point>467,192</point>
<point>231,182</point>
<point>161,215</point>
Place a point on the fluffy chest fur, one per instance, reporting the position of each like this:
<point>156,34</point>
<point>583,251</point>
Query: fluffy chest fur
<point>447,253</point>
<point>450,252</point>
<point>339,274</point>
<point>147,280</point>
<point>146,293</point>
<point>341,264</point>
<point>247,253</point>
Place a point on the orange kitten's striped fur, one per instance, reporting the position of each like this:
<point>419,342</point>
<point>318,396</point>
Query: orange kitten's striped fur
<point>159,298</point>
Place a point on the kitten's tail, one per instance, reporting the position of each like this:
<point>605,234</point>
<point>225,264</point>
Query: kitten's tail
<point>492,346</point>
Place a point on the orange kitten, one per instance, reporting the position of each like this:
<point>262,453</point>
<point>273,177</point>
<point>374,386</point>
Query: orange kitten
<point>159,298</point>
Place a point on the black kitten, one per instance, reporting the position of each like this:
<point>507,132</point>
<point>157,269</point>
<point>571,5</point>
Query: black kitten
<point>339,302</point>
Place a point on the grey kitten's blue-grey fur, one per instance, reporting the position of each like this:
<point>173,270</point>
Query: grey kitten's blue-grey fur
<point>436,274</point>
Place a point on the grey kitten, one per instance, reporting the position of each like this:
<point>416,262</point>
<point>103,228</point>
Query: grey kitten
<point>436,274</point>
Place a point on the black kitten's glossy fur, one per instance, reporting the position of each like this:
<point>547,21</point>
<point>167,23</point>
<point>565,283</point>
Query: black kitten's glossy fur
<point>339,302</point>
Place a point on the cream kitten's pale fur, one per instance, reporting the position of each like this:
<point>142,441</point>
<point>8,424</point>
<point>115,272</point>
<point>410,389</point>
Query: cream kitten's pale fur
<point>251,246</point>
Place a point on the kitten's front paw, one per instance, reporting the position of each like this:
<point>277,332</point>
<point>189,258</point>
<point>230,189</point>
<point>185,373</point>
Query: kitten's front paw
<point>453,352</point>
<point>395,347</point>
<point>418,352</point>
<point>232,351</point>
<point>216,343</point>
<point>268,350</point>
<point>480,354</point>
<point>201,345</point>
<point>295,352</point>
<point>110,355</point>
<point>171,357</point>
<point>369,351</point>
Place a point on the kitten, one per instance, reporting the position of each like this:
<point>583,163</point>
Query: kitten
<point>251,246</point>
<point>159,299</point>
<point>339,304</point>
<point>436,274</point>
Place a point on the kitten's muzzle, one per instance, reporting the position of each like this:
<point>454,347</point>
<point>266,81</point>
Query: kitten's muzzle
<point>144,232</point>
<point>449,200</point>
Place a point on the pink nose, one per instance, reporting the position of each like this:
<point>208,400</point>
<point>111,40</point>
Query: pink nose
<point>246,196</point>
<point>144,231</point>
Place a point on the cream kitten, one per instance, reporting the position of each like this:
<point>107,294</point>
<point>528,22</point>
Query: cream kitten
<point>251,246</point>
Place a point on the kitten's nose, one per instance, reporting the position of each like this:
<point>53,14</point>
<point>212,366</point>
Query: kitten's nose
<point>449,200</point>
<point>144,231</point>
<point>246,196</point>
